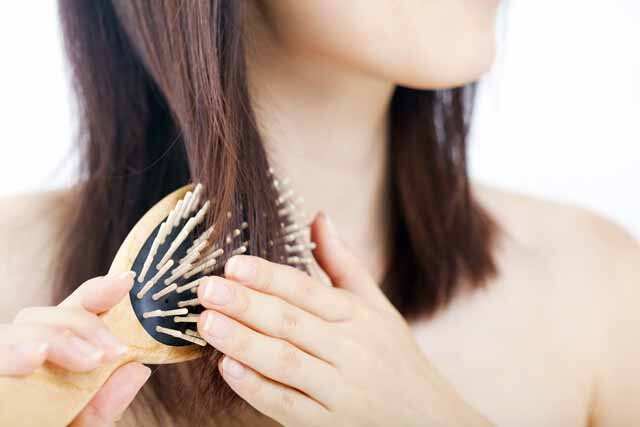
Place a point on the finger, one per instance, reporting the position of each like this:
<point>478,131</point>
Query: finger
<point>20,354</point>
<point>108,405</point>
<point>290,284</point>
<point>284,404</point>
<point>269,315</point>
<point>78,321</point>
<point>60,348</point>
<point>99,294</point>
<point>273,358</point>
<point>73,353</point>
<point>340,264</point>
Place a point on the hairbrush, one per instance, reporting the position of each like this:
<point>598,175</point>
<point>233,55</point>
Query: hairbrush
<point>170,251</point>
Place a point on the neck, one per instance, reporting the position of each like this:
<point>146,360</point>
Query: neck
<point>325,127</point>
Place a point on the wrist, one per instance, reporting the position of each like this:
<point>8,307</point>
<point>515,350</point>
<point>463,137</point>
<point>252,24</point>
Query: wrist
<point>449,408</point>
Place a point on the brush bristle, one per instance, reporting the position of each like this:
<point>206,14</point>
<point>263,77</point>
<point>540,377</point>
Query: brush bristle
<point>179,258</point>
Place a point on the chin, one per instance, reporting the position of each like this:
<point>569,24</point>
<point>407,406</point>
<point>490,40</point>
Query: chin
<point>458,67</point>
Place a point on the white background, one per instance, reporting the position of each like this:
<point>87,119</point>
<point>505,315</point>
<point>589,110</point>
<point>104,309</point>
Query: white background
<point>558,116</point>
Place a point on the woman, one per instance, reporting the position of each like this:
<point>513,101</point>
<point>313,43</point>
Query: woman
<point>457,304</point>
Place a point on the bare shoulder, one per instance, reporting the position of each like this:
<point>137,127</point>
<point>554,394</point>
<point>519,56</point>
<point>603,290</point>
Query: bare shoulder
<point>30,231</point>
<point>566,233</point>
<point>595,269</point>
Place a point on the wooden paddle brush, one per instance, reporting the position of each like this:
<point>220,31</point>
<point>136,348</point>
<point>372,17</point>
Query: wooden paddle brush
<point>170,252</point>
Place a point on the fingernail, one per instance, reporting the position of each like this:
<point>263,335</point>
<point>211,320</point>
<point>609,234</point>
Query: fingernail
<point>216,325</point>
<point>84,349</point>
<point>232,368</point>
<point>241,268</point>
<point>215,292</point>
<point>110,343</point>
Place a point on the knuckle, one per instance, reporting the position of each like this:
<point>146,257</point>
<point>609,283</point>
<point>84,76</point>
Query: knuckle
<point>345,306</point>
<point>280,402</point>
<point>360,312</point>
<point>82,320</point>
<point>305,290</point>
<point>242,300</point>
<point>93,282</point>
<point>336,382</point>
<point>350,306</point>
<point>276,403</point>
<point>357,352</point>
<point>288,361</point>
<point>287,401</point>
<point>288,324</point>
<point>252,388</point>
<point>289,270</point>
<point>287,274</point>
<point>239,346</point>
<point>92,323</point>
<point>294,273</point>
<point>264,274</point>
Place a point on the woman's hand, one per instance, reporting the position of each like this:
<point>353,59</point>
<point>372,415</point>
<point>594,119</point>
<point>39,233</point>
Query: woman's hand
<point>308,354</point>
<point>73,337</point>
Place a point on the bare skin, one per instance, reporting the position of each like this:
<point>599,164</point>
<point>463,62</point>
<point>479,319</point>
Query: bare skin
<point>69,335</point>
<point>551,341</point>
<point>530,350</point>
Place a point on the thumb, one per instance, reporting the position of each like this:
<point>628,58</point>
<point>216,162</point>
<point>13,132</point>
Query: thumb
<point>340,264</point>
<point>108,405</point>
<point>99,294</point>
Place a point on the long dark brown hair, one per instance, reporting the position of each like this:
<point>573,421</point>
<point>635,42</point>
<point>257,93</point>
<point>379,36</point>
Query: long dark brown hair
<point>164,101</point>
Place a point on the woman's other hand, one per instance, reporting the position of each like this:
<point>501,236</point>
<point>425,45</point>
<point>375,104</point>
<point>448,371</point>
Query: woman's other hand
<point>72,336</point>
<point>306,354</point>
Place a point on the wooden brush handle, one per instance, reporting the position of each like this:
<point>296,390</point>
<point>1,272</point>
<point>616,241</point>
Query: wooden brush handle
<point>51,396</point>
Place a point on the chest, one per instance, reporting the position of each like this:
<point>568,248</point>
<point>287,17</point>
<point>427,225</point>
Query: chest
<point>515,356</point>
